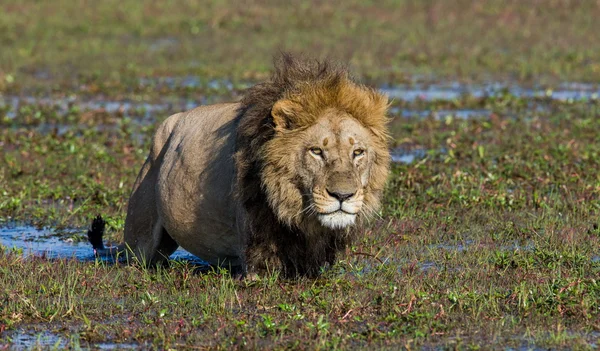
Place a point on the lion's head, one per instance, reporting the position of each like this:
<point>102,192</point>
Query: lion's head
<point>328,158</point>
<point>312,143</point>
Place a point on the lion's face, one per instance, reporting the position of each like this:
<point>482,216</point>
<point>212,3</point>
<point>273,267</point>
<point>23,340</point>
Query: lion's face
<point>327,171</point>
<point>334,168</point>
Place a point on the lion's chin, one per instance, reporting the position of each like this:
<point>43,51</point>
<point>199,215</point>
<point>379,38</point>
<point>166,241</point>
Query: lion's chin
<point>337,220</point>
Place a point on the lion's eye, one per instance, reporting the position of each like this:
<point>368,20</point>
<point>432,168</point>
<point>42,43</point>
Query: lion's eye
<point>358,152</point>
<point>316,151</point>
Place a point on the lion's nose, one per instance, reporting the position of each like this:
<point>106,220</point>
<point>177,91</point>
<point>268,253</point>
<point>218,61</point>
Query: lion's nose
<point>340,196</point>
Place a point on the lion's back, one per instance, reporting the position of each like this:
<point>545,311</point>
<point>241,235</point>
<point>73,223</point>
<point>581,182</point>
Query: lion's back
<point>195,180</point>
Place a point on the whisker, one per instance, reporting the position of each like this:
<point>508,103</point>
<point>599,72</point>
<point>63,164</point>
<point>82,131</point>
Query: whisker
<point>310,209</point>
<point>370,212</point>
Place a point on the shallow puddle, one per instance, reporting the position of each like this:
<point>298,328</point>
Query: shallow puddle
<point>192,82</point>
<point>455,90</point>
<point>64,106</point>
<point>22,340</point>
<point>31,340</point>
<point>410,156</point>
<point>149,111</point>
<point>442,114</point>
<point>401,155</point>
<point>412,92</point>
<point>44,242</point>
<point>67,243</point>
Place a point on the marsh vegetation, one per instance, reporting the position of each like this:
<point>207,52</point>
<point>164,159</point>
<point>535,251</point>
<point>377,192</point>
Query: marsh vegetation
<point>490,228</point>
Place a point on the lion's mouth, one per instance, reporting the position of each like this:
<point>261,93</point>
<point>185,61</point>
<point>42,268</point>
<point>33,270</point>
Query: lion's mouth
<point>337,211</point>
<point>337,219</point>
<point>335,207</point>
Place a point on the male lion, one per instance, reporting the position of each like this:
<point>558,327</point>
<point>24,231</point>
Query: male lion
<point>286,175</point>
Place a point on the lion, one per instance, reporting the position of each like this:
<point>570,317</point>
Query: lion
<point>288,175</point>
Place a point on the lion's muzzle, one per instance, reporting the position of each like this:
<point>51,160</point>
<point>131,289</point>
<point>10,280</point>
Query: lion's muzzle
<point>340,203</point>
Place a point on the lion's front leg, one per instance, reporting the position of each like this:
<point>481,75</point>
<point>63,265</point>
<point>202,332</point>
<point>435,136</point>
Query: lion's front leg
<point>303,258</point>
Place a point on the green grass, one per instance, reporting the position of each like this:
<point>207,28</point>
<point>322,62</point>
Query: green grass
<point>491,240</point>
<point>108,45</point>
<point>494,240</point>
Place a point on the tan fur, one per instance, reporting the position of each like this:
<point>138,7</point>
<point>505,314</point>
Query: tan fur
<point>302,109</point>
<point>287,175</point>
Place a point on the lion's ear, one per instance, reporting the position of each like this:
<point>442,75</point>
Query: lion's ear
<point>284,113</point>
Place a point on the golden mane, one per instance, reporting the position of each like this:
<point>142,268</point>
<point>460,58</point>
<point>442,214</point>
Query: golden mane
<point>314,86</point>
<point>300,90</point>
<point>312,98</point>
<point>311,85</point>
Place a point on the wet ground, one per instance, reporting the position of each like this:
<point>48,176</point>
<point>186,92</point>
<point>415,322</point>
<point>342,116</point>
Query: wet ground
<point>455,90</point>
<point>441,103</point>
<point>31,340</point>
<point>408,93</point>
<point>143,115</point>
<point>62,244</point>
<point>45,340</point>
<point>489,235</point>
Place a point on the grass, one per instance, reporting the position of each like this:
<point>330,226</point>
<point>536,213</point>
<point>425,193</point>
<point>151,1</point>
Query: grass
<point>500,227</point>
<point>491,240</point>
<point>107,46</point>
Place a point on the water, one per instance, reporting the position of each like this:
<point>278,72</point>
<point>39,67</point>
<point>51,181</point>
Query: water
<point>72,104</point>
<point>32,340</point>
<point>45,242</point>
<point>63,244</point>
<point>163,44</point>
<point>408,92</point>
<point>24,340</point>
<point>191,82</point>
<point>455,90</point>
<point>458,247</point>
<point>569,91</point>
<point>148,111</point>
<point>441,114</point>
<point>401,155</point>
<point>409,156</point>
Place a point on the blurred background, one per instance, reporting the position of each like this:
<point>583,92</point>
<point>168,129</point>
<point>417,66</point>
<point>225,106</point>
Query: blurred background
<point>50,45</point>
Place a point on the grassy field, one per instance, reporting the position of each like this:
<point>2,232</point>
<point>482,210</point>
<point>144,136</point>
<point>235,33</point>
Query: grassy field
<point>109,45</point>
<point>491,240</point>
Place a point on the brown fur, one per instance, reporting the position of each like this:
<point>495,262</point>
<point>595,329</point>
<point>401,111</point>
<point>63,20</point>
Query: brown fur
<point>297,94</point>
<point>285,177</point>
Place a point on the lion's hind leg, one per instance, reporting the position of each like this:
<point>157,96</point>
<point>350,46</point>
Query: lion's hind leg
<point>162,245</point>
<point>150,252</point>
